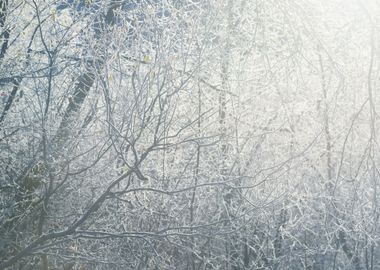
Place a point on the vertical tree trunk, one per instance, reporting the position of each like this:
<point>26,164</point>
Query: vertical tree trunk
<point>196,175</point>
<point>229,194</point>
<point>87,79</point>
<point>4,37</point>
<point>330,186</point>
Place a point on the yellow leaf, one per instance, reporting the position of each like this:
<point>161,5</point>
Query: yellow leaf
<point>146,59</point>
<point>125,168</point>
<point>53,15</point>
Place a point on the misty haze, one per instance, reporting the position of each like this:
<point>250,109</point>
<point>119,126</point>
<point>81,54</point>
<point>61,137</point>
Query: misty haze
<point>189,134</point>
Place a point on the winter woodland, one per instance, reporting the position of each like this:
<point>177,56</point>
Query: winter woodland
<point>189,134</point>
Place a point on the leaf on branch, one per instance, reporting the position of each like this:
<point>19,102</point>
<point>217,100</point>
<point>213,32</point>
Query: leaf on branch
<point>125,169</point>
<point>53,15</point>
<point>146,59</point>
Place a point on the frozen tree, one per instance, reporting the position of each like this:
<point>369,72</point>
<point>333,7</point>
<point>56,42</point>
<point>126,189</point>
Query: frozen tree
<point>165,134</point>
